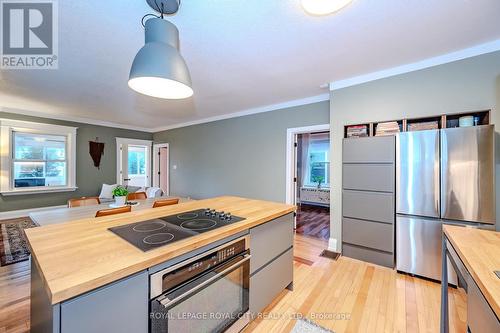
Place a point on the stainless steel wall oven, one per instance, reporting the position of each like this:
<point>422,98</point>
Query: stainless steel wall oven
<point>206,293</point>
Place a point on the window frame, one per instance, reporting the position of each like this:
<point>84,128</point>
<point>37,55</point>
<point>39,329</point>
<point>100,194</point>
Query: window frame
<point>309,181</point>
<point>7,129</point>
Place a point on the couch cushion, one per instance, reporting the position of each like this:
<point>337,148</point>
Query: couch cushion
<point>107,191</point>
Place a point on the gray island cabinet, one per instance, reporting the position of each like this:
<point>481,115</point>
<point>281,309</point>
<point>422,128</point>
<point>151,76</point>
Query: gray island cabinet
<point>271,266</point>
<point>118,307</point>
<point>123,306</point>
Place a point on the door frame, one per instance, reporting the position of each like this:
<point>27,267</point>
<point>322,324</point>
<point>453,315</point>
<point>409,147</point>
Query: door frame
<point>291,159</point>
<point>156,151</point>
<point>139,142</point>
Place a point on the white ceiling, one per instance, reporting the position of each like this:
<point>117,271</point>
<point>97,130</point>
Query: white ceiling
<point>242,54</point>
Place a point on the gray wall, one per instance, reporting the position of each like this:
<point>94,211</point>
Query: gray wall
<point>466,85</point>
<point>88,178</point>
<point>242,156</point>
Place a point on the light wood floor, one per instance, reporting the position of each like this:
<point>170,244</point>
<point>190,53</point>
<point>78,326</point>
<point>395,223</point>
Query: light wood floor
<point>344,296</point>
<point>352,296</point>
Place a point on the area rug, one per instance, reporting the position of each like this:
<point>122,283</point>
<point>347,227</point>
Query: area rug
<point>306,326</point>
<point>13,245</point>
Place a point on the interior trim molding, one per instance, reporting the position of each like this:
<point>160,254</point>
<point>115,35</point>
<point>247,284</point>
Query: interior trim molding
<point>332,245</point>
<point>423,64</point>
<point>291,158</point>
<point>75,119</point>
<point>262,109</point>
<point>25,212</point>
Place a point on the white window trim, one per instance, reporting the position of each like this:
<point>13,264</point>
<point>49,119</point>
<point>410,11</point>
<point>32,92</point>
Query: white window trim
<point>310,183</point>
<point>291,158</point>
<point>7,127</point>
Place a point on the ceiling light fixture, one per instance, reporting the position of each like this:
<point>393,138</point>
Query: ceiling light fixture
<point>323,7</point>
<point>158,69</point>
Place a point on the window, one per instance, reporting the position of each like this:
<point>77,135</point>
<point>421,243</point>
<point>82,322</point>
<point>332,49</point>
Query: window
<point>36,157</point>
<point>39,160</point>
<point>319,162</point>
<point>136,161</point>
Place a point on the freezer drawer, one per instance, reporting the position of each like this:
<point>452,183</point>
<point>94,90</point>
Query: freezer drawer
<point>468,174</point>
<point>418,247</point>
<point>417,173</point>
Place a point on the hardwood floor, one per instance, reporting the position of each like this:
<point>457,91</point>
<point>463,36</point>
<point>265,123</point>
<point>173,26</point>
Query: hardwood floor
<point>313,221</point>
<point>344,295</point>
<point>15,297</point>
<point>353,296</point>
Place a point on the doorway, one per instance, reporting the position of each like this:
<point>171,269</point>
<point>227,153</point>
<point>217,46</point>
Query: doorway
<point>133,162</point>
<point>161,160</point>
<point>308,179</point>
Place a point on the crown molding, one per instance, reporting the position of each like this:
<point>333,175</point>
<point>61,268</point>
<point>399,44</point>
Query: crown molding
<point>477,50</point>
<point>267,108</point>
<point>75,119</point>
<point>426,63</point>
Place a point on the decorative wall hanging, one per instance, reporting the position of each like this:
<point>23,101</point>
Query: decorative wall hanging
<point>96,150</point>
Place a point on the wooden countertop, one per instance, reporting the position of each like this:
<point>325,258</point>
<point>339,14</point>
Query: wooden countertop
<point>79,256</point>
<point>480,252</point>
<point>60,215</point>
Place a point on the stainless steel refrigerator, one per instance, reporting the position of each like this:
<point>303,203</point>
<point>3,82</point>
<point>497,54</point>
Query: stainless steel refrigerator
<point>442,176</point>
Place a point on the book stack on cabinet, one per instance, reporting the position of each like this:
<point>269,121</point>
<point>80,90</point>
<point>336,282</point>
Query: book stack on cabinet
<point>368,199</point>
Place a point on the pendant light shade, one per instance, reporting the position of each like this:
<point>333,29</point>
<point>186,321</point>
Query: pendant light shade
<point>158,69</point>
<point>324,7</point>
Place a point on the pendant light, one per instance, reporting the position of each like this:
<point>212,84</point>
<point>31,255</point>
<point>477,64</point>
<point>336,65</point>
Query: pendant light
<point>158,69</point>
<point>323,7</point>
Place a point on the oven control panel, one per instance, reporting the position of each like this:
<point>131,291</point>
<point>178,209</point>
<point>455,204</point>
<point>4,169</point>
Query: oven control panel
<point>201,265</point>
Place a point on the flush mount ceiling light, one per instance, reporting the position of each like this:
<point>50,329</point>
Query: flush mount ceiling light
<point>158,69</point>
<point>323,7</point>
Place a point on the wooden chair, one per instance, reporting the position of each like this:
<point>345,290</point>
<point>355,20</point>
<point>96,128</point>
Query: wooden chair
<point>137,196</point>
<point>113,211</point>
<point>83,201</point>
<point>165,202</point>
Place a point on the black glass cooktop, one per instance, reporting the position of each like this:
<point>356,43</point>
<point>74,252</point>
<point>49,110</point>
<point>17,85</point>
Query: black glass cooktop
<point>147,235</point>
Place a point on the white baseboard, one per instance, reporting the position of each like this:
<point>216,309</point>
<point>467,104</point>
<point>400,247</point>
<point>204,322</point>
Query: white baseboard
<point>332,245</point>
<point>25,212</point>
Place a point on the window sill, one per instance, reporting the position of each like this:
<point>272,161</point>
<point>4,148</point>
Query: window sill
<point>323,187</point>
<point>37,191</point>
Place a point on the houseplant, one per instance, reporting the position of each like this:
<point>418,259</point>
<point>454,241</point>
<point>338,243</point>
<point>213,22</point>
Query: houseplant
<point>120,194</point>
<point>318,179</point>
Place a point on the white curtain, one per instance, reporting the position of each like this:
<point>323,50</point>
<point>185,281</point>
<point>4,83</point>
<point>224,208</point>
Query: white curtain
<point>305,169</point>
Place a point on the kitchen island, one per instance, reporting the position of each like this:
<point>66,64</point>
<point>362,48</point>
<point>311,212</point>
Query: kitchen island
<point>475,255</point>
<point>85,277</point>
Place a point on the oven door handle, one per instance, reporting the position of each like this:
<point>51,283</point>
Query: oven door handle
<point>168,302</point>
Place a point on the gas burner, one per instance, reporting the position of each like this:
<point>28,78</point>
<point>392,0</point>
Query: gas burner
<point>198,224</point>
<point>149,226</point>
<point>187,216</point>
<point>159,238</point>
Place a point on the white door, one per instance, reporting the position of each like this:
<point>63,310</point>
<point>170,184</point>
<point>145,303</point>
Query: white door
<point>134,162</point>
<point>161,175</point>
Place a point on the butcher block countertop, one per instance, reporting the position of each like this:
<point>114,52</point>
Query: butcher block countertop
<point>479,250</point>
<point>79,256</point>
